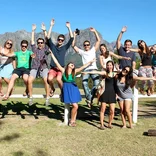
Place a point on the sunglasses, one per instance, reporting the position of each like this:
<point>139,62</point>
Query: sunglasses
<point>40,42</point>
<point>23,46</point>
<point>140,41</point>
<point>126,71</point>
<point>86,45</point>
<point>9,43</point>
<point>60,40</point>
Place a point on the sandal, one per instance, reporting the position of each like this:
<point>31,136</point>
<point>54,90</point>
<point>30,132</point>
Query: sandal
<point>5,98</point>
<point>25,93</point>
<point>123,127</point>
<point>142,91</point>
<point>51,92</point>
<point>110,127</point>
<point>72,124</point>
<point>102,128</point>
<point>148,92</point>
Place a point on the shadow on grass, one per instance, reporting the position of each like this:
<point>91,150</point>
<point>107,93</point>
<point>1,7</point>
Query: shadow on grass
<point>36,110</point>
<point>55,111</point>
<point>41,153</point>
<point>145,133</point>
<point>10,137</point>
<point>147,109</point>
<point>91,116</point>
<point>38,153</point>
<point>18,153</point>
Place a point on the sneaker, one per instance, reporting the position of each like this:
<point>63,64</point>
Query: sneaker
<point>47,102</point>
<point>30,101</point>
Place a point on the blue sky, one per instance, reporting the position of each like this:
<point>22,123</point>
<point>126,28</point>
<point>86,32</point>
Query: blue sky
<point>107,16</point>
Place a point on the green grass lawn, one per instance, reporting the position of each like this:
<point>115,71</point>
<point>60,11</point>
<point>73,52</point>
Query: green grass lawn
<point>39,131</point>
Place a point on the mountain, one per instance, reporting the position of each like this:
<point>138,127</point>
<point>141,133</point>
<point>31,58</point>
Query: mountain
<point>85,34</point>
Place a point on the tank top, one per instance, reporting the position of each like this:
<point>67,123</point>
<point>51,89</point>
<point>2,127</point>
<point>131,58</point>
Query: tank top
<point>105,60</point>
<point>154,60</point>
<point>5,59</point>
<point>146,60</point>
<point>69,79</point>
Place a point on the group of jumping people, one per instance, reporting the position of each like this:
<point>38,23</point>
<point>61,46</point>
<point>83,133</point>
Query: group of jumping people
<point>118,80</point>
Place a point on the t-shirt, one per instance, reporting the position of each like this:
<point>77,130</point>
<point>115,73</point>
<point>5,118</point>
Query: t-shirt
<point>124,62</point>
<point>122,92</point>
<point>88,56</point>
<point>23,58</point>
<point>59,52</point>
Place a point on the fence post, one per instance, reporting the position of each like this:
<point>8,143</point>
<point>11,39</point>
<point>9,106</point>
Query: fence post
<point>135,105</point>
<point>66,113</point>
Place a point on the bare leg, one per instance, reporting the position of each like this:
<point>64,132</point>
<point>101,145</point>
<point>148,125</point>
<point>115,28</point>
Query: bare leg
<point>59,81</point>
<point>11,84</point>
<point>1,94</point>
<point>25,78</point>
<point>111,114</point>
<point>46,85</point>
<point>30,85</point>
<point>73,114</point>
<point>122,110</point>
<point>127,110</point>
<point>102,111</point>
<point>50,81</point>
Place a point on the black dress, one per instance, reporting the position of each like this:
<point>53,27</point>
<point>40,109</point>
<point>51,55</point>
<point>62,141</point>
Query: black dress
<point>109,95</point>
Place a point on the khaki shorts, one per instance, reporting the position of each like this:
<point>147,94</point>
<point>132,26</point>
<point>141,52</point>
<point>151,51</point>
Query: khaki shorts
<point>42,73</point>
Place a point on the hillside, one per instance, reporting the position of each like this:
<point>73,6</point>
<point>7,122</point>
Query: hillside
<point>86,34</point>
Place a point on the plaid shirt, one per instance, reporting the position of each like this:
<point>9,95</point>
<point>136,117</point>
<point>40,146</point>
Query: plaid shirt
<point>40,61</point>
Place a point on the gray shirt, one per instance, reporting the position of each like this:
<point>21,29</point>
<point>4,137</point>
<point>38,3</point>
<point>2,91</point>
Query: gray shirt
<point>122,92</point>
<point>123,63</point>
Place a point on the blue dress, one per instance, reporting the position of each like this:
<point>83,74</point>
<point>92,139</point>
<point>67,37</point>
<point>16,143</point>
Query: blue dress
<point>70,91</point>
<point>6,67</point>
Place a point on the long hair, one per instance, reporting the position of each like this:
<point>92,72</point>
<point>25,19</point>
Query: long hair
<point>11,49</point>
<point>107,71</point>
<point>142,49</point>
<point>107,52</point>
<point>66,71</point>
<point>128,77</point>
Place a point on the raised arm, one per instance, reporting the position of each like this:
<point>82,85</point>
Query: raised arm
<point>118,42</point>
<point>43,27</point>
<point>144,78</point>
<point>101,62</point>
<point>95,72</point>
<point>56,62</point>
<point>118,56</point>
<point>85,65</point>
<point>73,43</point>
<point>137,50</point>
<point>69,29</point>
<point>50,28</point>
<point>33,34</point>
<point>97,44</point>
